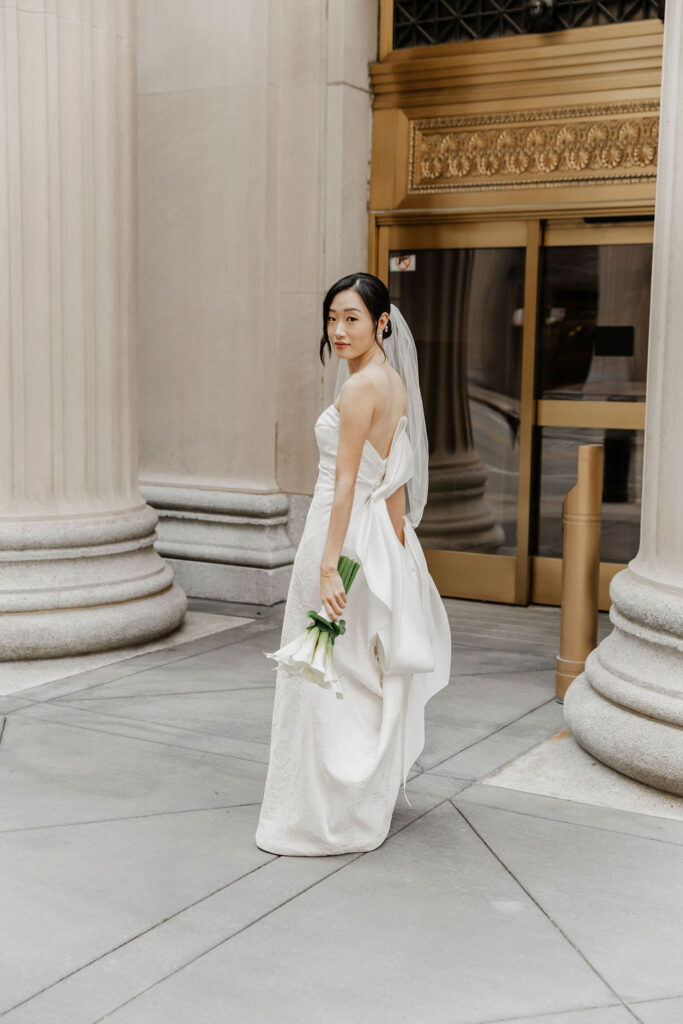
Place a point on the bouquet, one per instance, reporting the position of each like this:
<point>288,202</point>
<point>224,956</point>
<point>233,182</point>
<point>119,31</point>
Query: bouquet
<point>310,655</point>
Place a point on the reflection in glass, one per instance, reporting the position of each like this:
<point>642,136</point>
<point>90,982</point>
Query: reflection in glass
<point>594,322</point>
<point>623,466</point>
<point>464,307</point>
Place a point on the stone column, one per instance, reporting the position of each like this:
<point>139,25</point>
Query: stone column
<point>627,707</point>
<point>78,569</point>
<point>254,127</point>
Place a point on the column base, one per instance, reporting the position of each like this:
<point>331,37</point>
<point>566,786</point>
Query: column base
<point>642,748</point>
<point>216,581</point>
<point>83,583</point>
<point>225,545</point>
<point>68,632</point>
<point>626,708</point>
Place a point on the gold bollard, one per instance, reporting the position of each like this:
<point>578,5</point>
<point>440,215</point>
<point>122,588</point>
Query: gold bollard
<point>580,568</point>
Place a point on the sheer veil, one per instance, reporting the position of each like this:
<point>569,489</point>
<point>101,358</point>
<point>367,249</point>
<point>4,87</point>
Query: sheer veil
<point>402,354</point>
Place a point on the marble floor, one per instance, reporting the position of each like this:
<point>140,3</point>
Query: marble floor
<point>527,882</point>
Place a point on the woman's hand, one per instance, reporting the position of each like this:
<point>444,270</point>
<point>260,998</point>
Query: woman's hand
<point>332,592</point>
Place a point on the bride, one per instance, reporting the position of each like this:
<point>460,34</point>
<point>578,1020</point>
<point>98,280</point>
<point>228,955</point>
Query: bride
<point>336,766</point>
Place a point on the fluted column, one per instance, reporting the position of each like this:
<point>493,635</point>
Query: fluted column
<point>78,570</point>
<point>627,707</point>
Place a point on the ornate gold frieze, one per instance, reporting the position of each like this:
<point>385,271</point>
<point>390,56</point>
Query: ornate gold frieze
<point>525,149</point>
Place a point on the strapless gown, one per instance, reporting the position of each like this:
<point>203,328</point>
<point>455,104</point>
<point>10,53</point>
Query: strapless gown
<point>336,765</point>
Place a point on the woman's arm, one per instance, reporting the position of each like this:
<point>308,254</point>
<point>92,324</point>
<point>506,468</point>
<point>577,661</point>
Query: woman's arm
<point>356,407</point>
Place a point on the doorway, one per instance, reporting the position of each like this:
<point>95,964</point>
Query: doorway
<point>532,339</point>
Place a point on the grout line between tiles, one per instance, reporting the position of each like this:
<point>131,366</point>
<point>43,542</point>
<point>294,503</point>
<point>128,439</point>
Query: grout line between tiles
<point>494,732</point>
<point>162,664</point>
<point>166,693</point>
<point>575,824</point>
<point>133,721</point>
<point>545,1016</point>
<point>272,910</point>
<point>492,670</point>
<point>126,817</point>
<point>554,923</point>
<point>132,938</point>
<point>140,739</point>
<point>654,999</point>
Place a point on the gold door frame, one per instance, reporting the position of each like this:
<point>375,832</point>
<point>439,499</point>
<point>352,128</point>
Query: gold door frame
<point>519,578</point>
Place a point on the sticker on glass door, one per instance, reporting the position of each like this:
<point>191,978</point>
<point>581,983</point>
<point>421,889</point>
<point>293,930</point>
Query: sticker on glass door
<point>406,261</point>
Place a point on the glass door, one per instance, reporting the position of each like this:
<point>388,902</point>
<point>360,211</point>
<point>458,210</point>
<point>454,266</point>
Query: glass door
<point>532,339</point>
<point>462,289</point>
<point>591,368</point>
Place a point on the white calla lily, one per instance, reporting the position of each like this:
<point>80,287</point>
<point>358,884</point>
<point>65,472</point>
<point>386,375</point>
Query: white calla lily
<point>311,654</point>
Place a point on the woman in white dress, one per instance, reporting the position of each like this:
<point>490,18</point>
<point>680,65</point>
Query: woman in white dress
<point>336,766</point>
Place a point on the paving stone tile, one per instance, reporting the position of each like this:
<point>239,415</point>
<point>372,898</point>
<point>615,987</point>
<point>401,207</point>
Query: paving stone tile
<point>121,974</point>
<point>505,744</point>
<point>616,1014</point>
<point>8,704</point>
<point>132,665</point>
<point>559,766</point>
<point>618,898</point>
<point>234,723</point>
<point>231,667</point>
<point>661,1011</point>
<point>428,927</point>
<point>472,707</point>
<point>54,774</point>
<point>614,819</point>
<point>117,976</point>
<point>242,714</point>
<point>21,675</point>
<point>474,660</point>
<point>433,785</point>
<point>73,893</point>
<point>508,629</point>
<point>162,758</point>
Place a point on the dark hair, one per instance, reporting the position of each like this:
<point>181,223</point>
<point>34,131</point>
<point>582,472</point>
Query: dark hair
<point>374,294</point>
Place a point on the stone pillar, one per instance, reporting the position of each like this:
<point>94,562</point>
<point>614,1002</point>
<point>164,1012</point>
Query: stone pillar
<point>627,707</point>
<point>78,569</point>
<point>254,127</point>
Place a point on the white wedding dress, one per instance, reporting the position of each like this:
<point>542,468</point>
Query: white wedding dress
<point>336,765</point>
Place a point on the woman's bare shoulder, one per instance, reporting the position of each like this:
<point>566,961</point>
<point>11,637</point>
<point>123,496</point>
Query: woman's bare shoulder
<point>368,387</point>
<point>359,386</point>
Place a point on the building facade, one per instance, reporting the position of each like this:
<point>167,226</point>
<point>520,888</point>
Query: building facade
<point>511,211</point>
<point>182,182</point>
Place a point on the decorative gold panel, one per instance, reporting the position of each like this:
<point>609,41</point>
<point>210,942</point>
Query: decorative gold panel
<point>524,149</point>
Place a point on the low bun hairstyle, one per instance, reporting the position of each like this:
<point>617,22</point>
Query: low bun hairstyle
<point>374,294</point>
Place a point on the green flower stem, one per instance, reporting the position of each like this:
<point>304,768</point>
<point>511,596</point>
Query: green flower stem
<point>347,569</point>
